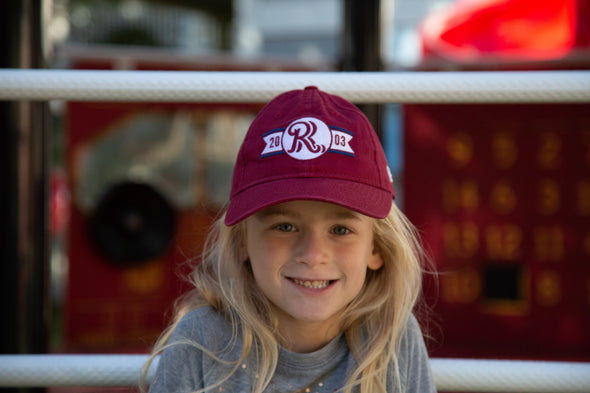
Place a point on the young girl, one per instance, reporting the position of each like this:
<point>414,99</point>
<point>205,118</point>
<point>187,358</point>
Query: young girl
<point>308,281</point>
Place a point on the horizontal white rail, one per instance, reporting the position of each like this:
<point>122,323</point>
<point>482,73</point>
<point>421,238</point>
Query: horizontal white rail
<point>468,375</point>
<point>358,87</point>
<point>72,370</point>
<point>458,375</point>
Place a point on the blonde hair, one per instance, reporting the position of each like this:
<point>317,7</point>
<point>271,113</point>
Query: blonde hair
<point>373,323</point>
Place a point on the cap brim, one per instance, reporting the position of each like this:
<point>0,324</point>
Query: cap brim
<point>365,199</point>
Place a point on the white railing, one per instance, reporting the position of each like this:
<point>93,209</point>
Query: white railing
<point>457,375</point>
<point>358,87</point>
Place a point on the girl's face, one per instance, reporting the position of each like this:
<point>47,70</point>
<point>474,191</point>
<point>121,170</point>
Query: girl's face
<point>310,260</point>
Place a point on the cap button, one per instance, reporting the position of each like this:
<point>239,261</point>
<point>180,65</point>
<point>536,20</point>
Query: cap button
<point>311,88</point>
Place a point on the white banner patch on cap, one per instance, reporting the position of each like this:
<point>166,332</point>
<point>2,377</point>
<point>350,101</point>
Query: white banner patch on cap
<point>307,138</point>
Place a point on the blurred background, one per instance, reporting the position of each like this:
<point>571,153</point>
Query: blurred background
<point>103,203</point>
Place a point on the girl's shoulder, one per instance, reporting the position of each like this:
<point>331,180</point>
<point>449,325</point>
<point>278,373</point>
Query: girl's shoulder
<point>412,335</point>
<point>413,359</point>
<point>201,325</point>
<point>413,325</point>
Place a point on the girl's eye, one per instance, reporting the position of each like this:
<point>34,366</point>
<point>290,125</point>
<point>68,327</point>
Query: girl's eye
<point>340,230</point>
<point>285,227</point>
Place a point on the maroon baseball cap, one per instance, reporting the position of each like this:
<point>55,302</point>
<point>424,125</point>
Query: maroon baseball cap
<point>310,145</point>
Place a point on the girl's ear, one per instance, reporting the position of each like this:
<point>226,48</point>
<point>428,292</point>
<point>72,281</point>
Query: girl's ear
<point>242,252</point>
<point>375,260</point>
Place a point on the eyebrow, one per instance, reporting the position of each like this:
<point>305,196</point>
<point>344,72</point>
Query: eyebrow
<point>279,211</point>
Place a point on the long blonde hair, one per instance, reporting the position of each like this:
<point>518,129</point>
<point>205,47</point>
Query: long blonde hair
<point>373,323</point>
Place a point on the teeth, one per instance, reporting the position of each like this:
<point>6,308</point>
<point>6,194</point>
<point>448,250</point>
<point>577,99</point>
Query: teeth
<point>312,284</point>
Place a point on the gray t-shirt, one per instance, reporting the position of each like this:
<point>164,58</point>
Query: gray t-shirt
<point>184,368</point>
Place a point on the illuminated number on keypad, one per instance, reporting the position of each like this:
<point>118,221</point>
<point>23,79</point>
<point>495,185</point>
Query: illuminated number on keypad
<point>549,243</point>
<point>504,150</point>
<point>548,197</point>
<point>462,286</point>
<point>503,242</point>
<point>503,197</point>
<point>548,288</point>
<point>460,149</point>
<point>549,153</point>
<point>461,240</point>
<point>459,194</point>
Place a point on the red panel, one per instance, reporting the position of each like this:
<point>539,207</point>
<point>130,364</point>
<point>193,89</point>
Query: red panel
<point>502,196</point>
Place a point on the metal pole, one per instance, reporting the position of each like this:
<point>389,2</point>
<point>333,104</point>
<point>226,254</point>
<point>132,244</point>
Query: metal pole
<point>362,46</point>
<point>23,191</point>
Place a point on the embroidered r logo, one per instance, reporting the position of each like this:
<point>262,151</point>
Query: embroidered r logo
<point>307,138</point>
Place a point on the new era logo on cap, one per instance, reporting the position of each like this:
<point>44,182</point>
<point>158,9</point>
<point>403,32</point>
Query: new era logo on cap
<point>307,138</point>
<point>310,145</point>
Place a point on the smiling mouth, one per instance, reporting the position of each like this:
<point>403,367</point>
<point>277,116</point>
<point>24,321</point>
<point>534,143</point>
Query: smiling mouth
<point>315,284</point>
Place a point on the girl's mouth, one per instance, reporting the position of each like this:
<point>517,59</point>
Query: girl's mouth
<point>314,284</point>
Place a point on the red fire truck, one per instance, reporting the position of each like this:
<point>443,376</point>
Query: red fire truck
<point>146,180</point>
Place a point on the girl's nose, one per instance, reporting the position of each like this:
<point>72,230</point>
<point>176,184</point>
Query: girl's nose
<point>311,250</point>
